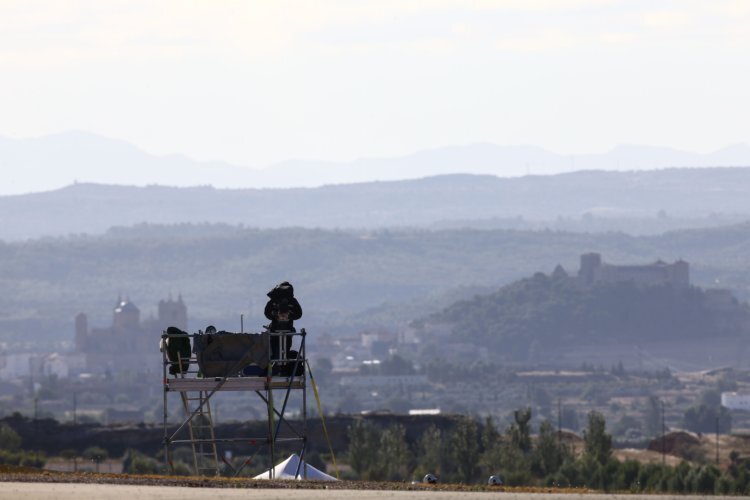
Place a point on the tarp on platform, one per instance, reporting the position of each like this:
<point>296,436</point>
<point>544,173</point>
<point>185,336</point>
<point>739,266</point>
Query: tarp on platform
<point>226,354</point>
<point>287,469</point>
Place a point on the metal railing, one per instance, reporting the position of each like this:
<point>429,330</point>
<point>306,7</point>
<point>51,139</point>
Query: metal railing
<point>284,372</point>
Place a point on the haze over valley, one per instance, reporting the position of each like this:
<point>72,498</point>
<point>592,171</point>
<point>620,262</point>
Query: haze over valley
<point>368,255</point>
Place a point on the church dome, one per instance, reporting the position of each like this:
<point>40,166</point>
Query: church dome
<point>126,316</point>
<point>127,307</point>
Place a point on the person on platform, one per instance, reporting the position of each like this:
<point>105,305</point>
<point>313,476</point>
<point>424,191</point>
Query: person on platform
<point>282,309</point>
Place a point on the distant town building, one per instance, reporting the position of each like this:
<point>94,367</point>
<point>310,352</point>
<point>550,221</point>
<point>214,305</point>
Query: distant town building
<point>380,343</point>
<point>38,366</point>
<point>382,382</point>
<point>594,270</point>
<point>129,342</point>
<point>419,412</point>
<point>735,400</point>
<point>559,272</point>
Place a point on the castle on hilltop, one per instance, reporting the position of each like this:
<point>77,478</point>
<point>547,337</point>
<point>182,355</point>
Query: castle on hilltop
<point>129,341</point>
<point>594,270</point>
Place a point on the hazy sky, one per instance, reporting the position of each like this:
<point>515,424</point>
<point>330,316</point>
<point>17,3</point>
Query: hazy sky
<point>258,82</point>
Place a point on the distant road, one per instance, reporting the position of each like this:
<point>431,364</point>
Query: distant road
<point>71,491</point>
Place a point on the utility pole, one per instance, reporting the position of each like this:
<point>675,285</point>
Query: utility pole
<point>663,435</point>
<point>717,440</point>
<point>559,423</point>
<point>75,432</point>
<point>36,423</point>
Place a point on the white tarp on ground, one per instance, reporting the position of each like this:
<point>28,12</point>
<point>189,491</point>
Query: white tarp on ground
<point>287,469</point>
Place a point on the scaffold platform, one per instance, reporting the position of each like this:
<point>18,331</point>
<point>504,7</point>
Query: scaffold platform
<point>261,365</point>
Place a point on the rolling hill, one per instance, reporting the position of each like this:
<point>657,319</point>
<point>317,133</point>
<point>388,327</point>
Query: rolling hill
<point>660,200</point>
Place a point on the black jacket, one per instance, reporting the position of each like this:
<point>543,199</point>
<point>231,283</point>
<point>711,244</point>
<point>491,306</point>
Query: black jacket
<point>282,308</point>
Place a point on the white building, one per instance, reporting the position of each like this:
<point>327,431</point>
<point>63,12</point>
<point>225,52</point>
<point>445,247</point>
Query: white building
<point>736,400</point>
<point>22,364</point>
<point>385,381</point>
<point>15,365</point>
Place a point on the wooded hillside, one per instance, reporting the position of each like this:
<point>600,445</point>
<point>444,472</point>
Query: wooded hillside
<point>560,311</point>
<point>346,280</point>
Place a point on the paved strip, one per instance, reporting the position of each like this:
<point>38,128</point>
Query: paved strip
<point>78,491</point>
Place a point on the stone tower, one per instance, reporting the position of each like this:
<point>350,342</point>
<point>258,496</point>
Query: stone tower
<point>173,313</point>
<point>590,265</point>
<point>82,332</point>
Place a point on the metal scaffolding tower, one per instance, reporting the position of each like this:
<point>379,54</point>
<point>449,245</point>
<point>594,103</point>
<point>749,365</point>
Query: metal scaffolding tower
<point>241,370</point>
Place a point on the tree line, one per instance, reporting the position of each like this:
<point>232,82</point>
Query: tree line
<point>468,452</point>
<point>473,451</point>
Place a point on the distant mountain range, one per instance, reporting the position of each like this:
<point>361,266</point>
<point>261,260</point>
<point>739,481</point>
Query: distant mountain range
<point>593,200</point>
<point>54,161</point>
